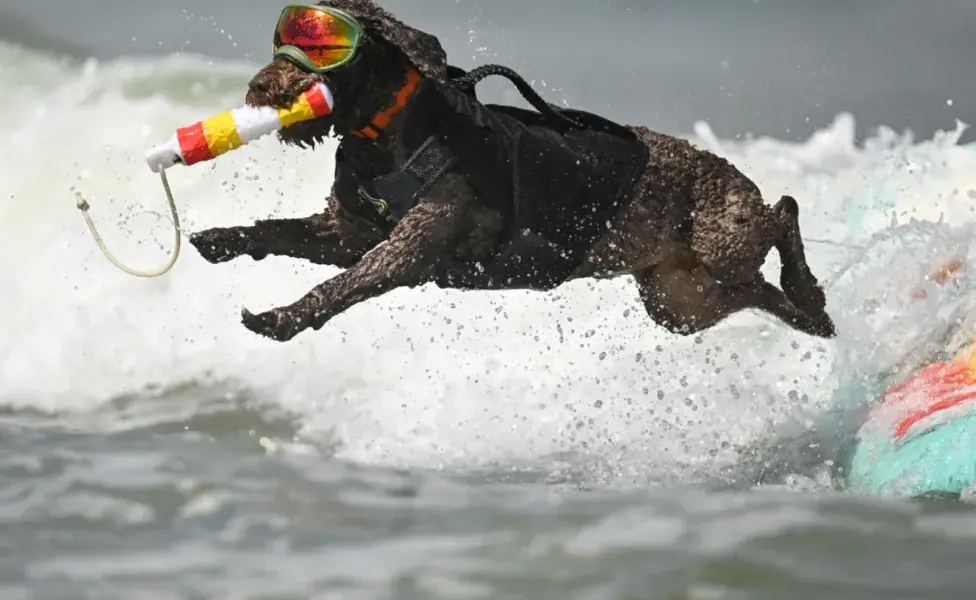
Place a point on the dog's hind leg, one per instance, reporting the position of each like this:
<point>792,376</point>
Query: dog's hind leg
<point>796,278</point>
<point>325,238</point>
<point>683,296</point>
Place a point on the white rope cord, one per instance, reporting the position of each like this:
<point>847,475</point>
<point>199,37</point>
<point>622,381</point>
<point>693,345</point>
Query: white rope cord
<point>83,206</point>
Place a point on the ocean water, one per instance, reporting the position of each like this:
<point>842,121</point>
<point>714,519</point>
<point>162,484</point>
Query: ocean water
<point>434,443</point>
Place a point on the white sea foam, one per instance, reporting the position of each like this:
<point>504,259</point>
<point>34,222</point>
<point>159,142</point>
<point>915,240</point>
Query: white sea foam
<point>426,376</point>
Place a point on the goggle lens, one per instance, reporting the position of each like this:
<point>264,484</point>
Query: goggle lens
<point>326,38</point>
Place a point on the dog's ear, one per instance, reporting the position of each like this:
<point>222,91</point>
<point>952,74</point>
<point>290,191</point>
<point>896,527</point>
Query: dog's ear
<point>423,50</point>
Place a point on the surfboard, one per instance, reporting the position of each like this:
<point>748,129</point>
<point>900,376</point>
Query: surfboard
<point>919,438</point>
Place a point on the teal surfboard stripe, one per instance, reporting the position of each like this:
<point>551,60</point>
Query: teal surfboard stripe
<point>942,460</point>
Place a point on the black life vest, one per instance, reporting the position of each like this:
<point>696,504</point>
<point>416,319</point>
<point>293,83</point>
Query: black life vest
<point>558,176</point>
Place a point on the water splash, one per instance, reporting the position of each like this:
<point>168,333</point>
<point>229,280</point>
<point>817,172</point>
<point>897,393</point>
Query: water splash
<point>440,378</point>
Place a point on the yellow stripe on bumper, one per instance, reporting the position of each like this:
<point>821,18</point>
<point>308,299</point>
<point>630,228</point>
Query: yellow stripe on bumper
<point>301,110</point>
<point>221,132</point>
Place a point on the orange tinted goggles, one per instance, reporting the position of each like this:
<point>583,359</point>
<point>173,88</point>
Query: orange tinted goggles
<point>318,38</point>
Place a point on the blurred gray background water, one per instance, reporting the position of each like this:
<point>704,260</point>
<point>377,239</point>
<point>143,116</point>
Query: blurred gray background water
<point>781,68</point>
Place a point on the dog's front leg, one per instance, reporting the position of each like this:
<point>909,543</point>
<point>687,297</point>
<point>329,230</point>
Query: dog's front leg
<point>330,238</point>
<point>416,243</point>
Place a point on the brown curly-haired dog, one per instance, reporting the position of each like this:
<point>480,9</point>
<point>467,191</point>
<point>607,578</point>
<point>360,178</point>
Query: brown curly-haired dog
<point>506,199</point>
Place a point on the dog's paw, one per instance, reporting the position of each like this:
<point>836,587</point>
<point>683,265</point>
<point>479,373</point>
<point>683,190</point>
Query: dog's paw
<point>816,299</point>
<point>222,244</point>
<point>804,291</point>
<point>279,324</point>
<point>823,327</point>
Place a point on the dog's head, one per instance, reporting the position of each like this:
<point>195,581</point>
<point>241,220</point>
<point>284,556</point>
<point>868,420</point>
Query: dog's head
<point>360,86</point>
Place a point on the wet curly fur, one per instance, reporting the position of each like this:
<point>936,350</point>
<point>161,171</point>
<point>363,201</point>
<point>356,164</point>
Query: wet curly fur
<point>693,234</point>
